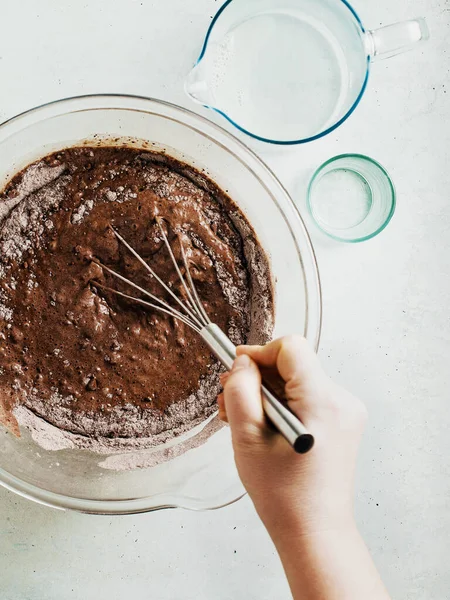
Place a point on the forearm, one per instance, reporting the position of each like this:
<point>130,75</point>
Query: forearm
<point>328,565</point>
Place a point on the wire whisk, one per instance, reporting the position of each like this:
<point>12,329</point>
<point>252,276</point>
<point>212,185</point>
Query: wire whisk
<point>192,313</point>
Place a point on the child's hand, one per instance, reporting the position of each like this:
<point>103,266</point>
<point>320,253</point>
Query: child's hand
<point>305,500</point>
<point>312,491</point>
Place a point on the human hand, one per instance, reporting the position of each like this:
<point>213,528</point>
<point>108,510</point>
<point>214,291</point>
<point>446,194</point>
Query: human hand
<point>311,492</point>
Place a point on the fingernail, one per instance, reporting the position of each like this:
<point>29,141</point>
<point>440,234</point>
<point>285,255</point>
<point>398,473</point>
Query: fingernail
<point>242,362</point>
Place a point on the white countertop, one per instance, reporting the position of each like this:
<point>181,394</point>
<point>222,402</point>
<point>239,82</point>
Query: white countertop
<point>386,332</point>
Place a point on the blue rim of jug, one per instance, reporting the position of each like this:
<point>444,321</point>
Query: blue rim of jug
<point>291,142</point>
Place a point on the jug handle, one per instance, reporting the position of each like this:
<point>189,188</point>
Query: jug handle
<point>391,40</point>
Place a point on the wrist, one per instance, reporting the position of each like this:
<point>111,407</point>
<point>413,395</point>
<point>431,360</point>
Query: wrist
<point>311,539</point>
<point>291,520</point>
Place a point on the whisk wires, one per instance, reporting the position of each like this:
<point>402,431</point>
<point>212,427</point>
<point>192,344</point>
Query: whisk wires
<point>191,312</point>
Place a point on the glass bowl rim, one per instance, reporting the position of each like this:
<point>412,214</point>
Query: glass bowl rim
<point>147,504</point>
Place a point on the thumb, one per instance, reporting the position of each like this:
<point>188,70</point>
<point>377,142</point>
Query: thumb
<point>242,396</point>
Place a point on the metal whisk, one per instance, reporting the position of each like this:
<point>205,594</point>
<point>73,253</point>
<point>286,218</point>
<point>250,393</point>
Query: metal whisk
<point>192,313</point>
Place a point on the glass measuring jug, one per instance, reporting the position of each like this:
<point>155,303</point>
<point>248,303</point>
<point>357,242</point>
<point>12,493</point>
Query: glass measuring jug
<point>291,71</point>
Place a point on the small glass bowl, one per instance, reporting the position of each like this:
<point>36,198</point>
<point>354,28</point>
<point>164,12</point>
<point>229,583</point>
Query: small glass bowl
<point>351,198</point>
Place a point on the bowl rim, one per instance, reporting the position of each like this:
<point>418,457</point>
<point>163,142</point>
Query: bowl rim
<point>141,505</point>
<point>322,170</point>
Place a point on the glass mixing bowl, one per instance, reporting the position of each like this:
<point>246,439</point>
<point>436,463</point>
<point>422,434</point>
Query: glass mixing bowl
<point>204,477</point>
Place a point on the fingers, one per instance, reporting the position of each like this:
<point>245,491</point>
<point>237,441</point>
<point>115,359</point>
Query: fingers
<point>222,410</point>
<point>291,355</point>
<point>221,399</point>
<point>265,356</point>
<point>242,397</point>
<point>224,378</point>
<point>307,386</point>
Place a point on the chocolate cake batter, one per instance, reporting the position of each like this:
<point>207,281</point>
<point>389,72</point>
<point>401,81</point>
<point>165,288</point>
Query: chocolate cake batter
<point>86,360</point>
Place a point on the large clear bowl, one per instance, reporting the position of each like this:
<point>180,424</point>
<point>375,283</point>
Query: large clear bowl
<point>204,477</point>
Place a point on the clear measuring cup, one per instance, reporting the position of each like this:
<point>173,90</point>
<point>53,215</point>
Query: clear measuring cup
<point>291,71</point>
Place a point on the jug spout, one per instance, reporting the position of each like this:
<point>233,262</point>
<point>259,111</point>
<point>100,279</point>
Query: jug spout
<point>196,86</point>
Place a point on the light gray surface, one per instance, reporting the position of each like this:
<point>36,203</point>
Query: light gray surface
<point>386,328</point>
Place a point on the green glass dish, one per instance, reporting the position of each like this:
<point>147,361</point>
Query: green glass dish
<point>351,198</point>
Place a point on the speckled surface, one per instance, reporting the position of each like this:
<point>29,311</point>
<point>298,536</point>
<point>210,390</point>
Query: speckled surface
<point>386,327</point>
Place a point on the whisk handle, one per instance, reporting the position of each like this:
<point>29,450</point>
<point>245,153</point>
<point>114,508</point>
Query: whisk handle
<point>282,418</point>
